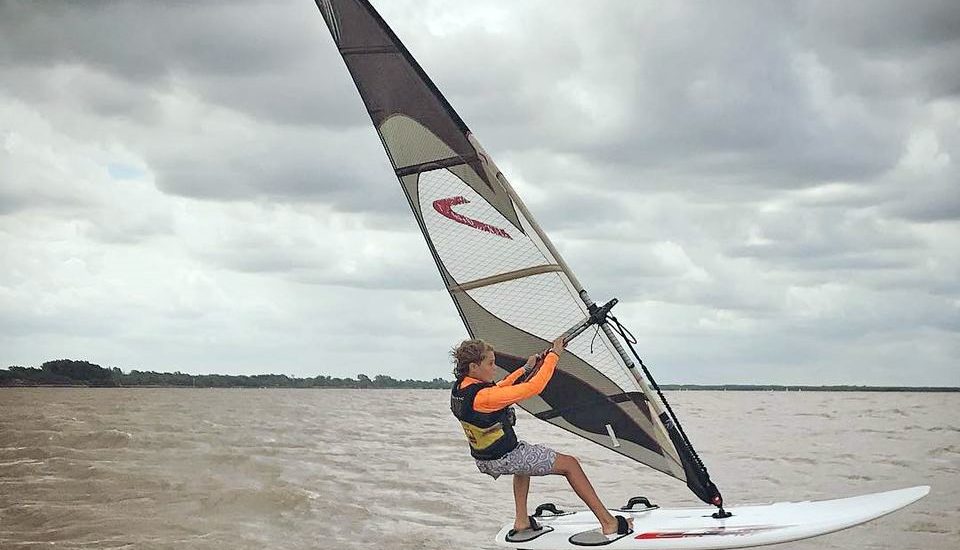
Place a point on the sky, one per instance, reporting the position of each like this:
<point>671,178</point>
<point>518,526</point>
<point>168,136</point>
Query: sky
<point>770,188</point>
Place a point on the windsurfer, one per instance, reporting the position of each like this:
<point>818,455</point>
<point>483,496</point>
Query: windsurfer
<point>484,410</point>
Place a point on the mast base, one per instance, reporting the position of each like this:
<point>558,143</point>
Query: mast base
<point>721,514</point>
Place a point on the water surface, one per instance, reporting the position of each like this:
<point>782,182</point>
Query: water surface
<point>288,468</point>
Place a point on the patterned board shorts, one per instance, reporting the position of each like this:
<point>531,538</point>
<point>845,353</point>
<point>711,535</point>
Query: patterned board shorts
<point>526,459</point>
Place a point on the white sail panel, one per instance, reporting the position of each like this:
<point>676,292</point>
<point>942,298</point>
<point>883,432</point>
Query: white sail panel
<point>471,237</point>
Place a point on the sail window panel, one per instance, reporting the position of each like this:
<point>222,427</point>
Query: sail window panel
<point>410,143</point>
<point>542,306</point>
<point>531,304</point>
<point>472,239</point>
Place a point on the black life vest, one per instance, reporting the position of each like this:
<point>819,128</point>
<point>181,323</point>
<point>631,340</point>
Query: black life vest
<point>490,435</point>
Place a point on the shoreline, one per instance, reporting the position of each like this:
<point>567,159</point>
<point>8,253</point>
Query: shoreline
<point>664,387</point>
<point>73,373</point>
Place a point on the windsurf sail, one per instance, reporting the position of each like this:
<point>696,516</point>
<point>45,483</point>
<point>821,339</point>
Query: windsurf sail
<point>507,280</point>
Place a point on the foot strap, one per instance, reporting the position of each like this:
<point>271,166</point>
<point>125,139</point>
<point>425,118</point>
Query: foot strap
<point>595,537</point>
<point>524,535</point>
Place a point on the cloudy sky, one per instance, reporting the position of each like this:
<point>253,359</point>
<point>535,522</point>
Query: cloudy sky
<point>771,188</point>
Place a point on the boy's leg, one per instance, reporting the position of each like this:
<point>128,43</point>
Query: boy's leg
<point>569,467</point>
<point>521,488</point>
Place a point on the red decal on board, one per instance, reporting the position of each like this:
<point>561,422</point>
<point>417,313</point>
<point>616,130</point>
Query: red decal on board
<point>445,208</point>
<point>715,532</point>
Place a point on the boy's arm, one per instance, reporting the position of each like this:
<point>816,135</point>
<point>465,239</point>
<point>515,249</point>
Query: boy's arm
<point>508,381</point>
<point>494,398</point>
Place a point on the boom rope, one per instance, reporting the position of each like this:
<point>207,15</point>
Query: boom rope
<point>630,339</point>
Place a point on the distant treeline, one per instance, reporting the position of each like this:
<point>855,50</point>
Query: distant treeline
<point>66,372</point>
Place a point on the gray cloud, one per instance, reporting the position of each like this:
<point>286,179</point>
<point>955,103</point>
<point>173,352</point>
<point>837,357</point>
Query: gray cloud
<point>670,85</point>
<point>771,189</point>
<point>147,41</point>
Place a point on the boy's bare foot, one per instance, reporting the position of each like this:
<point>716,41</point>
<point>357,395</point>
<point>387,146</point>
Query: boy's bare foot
<point>522,524</point>
<point>609,526</point>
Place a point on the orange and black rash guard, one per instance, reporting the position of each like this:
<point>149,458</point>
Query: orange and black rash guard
<point>483,408</point>
<point>505,393</point>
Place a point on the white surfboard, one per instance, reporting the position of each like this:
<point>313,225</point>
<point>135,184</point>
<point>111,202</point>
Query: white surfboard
<point>750,525</point>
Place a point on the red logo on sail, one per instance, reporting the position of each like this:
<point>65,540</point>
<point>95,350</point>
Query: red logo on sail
<point>445,208</point>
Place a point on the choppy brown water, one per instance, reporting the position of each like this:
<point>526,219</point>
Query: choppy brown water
<point>192,468</point>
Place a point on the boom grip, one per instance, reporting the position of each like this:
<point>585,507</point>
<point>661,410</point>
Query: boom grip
<point>570,334</point>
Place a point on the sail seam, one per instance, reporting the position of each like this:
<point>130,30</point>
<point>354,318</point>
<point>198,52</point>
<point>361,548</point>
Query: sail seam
<point>503,277</point>
<point>434,165</point>
<point>356,50</point>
